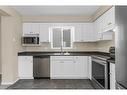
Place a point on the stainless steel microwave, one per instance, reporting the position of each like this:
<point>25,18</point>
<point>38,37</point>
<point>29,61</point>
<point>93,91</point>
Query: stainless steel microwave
<point>30,40</point>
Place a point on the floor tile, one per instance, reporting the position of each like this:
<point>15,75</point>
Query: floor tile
<point>52,84</point>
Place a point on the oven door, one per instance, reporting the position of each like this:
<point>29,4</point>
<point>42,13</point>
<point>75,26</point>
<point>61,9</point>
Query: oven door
<point>100,73</point>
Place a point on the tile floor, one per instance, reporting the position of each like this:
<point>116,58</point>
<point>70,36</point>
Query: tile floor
<point>52,84</point>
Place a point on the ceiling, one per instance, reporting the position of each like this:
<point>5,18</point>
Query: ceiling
<point>56,10</point>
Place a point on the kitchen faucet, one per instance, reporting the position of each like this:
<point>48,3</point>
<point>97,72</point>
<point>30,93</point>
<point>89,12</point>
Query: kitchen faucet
<point>61,49</point>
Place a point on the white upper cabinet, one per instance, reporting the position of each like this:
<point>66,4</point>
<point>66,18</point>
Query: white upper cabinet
<point>88,34</point>
<point>109,20</point>
<point>27,28</point>
<point>45,32</point>
<point>31,28</point>
<point>78,33</point>
<point>106,22</point>
<point>35,28</point>
<point>84,32</point>
<point>104,25</point>
<point>99,24</point>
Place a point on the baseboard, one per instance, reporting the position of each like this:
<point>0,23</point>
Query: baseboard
<point>9,83</point>
<point>61,77</point>
<point>26,78</point>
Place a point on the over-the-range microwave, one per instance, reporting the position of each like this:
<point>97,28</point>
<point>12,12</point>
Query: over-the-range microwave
<point>30,40</point>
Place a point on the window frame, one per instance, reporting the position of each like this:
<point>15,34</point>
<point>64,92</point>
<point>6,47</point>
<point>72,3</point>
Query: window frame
<point>62,28</point>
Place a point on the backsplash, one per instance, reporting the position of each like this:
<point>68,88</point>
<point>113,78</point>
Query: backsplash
<point>76,47</point>
<point>105,45</point>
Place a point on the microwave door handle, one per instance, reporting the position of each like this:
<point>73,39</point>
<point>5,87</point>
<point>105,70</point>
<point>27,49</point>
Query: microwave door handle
<point>35,42</point>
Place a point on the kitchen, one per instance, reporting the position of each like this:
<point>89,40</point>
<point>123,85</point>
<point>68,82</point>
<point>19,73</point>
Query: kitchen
<point>65,45</point>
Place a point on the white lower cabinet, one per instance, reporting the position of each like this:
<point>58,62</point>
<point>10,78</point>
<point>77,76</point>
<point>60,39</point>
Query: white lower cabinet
<point>68,67</point>
<point>89,66</point>
<point>25,67</point>
<point>61,67</point>
<point>80,63</point>
<point>112,76</point>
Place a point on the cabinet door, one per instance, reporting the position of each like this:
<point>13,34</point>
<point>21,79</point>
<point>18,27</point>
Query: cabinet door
<point>81,66</point>
<point>112,76</point>
<point>95,30</point>
<point>88,33</point>
<point>44,32</point>
<point>27,28</point>
<point>78,33</point>
<point>54,69</point>
<point>25,67</point>
<point>35,28</point>
<point>98,29</point>
<point>62,69</point>
<point>100,24</point>
<point>99,36</point>
<point>109,20</point>
<point>67,69</point>
<point>31,28</point>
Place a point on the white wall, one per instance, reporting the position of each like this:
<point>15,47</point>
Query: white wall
<point>0,48</point>
<point>11,28</point>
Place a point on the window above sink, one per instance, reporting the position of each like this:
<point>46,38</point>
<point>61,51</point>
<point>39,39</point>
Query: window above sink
<point>62,37</point>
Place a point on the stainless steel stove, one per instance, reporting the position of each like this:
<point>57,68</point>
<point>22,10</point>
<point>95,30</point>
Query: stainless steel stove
<point>100,71</point>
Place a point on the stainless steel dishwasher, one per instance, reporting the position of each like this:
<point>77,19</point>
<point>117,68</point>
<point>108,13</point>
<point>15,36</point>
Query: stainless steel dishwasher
<point>41,67</point>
